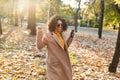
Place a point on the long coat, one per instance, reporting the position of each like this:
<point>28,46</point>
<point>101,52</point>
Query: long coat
<point>58,62</point>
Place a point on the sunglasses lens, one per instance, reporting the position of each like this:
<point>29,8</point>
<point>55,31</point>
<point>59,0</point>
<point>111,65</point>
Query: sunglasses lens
<point>59,25</point>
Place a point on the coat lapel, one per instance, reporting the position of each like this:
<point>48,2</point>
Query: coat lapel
<point>64,40</point>
<point>56,39</point>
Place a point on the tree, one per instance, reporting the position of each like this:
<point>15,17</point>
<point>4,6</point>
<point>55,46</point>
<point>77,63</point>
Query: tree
<point>2,12</point>
<point>76,15</point>
<point>16,13</point>
<point>95,11</point>
<point>21,17</point>
<point>0,27</point>
<point>1,6</point>
<point>48,8</point>
<point>32,17</point>
<point>101,19</point>
<point>91,13</point>
<point>67,12</point>
<point>111,18</point>
<point>43,11</point>
<point>11,11</point>
<point>55,7</point>
<point>90,5</point>
<point>115,60</point>
<point>0,22</point>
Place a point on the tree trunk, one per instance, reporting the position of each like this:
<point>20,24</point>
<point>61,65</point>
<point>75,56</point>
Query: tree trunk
<point>16,12</point>
<point>117,8</point>
<point>115,60</point>
<point>0,27</point>
<point>96,13</point>
<point>76,17</point>
<point>114,26</point>
<point>16,18</point>
<point>21,22</point>
<point>101,19</point>
<point>21,18</point>
<point>29,15</point>
<point>32,18</point>
<point>10,12</point>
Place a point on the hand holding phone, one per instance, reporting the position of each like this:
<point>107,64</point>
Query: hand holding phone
<point>72,33</point>
<point>39,28</point>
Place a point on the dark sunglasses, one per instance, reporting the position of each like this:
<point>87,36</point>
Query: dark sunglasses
<point>58,25</point>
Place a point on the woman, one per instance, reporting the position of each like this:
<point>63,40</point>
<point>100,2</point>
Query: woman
<point>58,62</point>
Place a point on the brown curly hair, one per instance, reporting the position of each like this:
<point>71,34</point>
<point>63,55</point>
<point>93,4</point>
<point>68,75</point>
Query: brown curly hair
<point>52,23</point>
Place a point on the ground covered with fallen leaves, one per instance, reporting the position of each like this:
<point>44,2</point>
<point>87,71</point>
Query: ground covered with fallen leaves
<point>21,60</point>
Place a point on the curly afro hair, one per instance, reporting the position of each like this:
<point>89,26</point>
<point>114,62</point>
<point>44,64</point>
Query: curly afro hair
<point>52,23</point>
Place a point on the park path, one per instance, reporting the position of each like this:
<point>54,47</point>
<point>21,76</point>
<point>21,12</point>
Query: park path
<point>88,30</point>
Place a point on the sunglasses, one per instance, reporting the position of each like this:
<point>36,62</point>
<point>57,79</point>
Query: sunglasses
<point>58,25</point>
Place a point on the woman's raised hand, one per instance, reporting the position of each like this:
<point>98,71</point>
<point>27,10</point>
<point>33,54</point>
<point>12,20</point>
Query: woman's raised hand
<point>72,33</point>
<point>39,28</point>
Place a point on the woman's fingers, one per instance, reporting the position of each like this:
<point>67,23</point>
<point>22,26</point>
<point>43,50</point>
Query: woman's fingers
<point>39,28</point>
<point>72,33</point>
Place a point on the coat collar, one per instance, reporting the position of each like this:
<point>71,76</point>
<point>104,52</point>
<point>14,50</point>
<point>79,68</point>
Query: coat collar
<point>56,39</point>
<point>64,39</point>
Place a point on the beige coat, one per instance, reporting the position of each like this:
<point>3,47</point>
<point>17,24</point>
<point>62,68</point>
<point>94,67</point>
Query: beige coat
<point>58,62</point>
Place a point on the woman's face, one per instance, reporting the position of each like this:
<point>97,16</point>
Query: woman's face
<point>59,26</point>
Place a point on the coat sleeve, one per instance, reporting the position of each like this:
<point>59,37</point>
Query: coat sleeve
<point>41,40</point>
<point>69,40</point>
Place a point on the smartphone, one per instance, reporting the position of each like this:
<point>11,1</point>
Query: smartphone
<point>72,31</point>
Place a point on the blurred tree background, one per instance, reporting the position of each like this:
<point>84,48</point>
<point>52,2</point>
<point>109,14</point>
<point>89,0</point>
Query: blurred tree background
<point>90,56</point>
<point>20,12</point>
